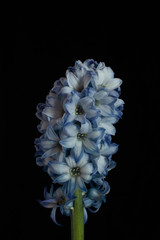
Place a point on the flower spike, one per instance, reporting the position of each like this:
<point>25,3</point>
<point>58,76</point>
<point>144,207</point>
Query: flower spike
<point>75,148</point>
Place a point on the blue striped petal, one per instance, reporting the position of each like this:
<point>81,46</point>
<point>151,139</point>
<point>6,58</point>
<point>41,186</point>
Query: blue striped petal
<point>58,168</point>
<point>85,215</point>
<point>68,142</point>
<point>96,134</point>
<point>62,178</point>
<point>49,203</point>
<point>53,216</point>
<point>51,134</point>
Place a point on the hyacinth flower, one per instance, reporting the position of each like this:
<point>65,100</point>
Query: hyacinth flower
<point>72,173</point>
<point>77,123</point>
<point>57,199</point>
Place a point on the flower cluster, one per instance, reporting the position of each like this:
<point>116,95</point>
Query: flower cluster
<point>77,124</point>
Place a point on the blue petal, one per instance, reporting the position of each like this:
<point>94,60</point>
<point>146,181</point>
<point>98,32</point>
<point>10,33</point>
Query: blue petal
<point>86,103</point>
<point>86,127</point>
<point>58,168</point>
<point>71,129</point>
<point>109,128</point>
<point>85,215</point>
<point>108,149</point>
<point>50,152</point>
<point>87,169</point>
<point>65,90</point>
<point>80,184</point>
<point>71,103</point>
<point>73,81</point>
<point>49,203</point>
<point>51,134</point>
<point>70,161</point>
<point>81,118</point>
<point>46,144</point>
<point>96,134</point>
<point>48,195</point>
<point>70,107</point>
<point>88,202</point>
<point>53,216</point>
<point>93,211</point>
<point>62,178</point>
<point>71,186</point>
<point>83,160</point>
<point>92,113</point>
<point>113,83</point>
<point>77,149</point>
<point>51,112</point>
<point>68,142</point>
<point>68,118</point>
<point>39,161</point>
<point>90,146</point>
<point>102,165</point>
<point>105,110</point>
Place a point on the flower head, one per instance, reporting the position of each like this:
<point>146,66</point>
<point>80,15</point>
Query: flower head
<point>77,122</point>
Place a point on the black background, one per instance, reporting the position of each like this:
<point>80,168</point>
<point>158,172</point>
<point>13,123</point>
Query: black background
<point>37,49</point>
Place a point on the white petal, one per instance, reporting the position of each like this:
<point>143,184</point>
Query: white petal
<point>77,150</point>
<point>59,168</point>
<point>96,134</point>
<point>86,177</point>
<point>90,146</point>
<point>91,113</point>
<point>100,95</point>
<point>62,178</point>
<point>101,164</point>
<point>87,169</point>
<point>73,81</point>
<point>50,152</point>
<point>107,100</point>
<point>71,130</point>
<point>70,162</point>
<point>66,90</point>
<point>105,74</point>
<point>47,144</point>
<point>86,80</point>
<point>113,83</point>
<point>44,125</point>
<point>118,103</point>
<point>81,118</point>
<point>51,134</point>
<point>51,112</point>
<point>72,185</point>
<point>80,184</point>
<point>108,149</point>
<point>53,101</point>
<point>101,65</point>
<point>111,119</point>
<point>70,107</point>
<point>68,142</point>
<point>60,156</point>
<point>83,161</point>
<point>86,127</point>
<point>105,110</point>
<point>85,102</point>
<point>46,160</point>
<point>110,129</point>
<point>85,215</point>
<point>69,118</point>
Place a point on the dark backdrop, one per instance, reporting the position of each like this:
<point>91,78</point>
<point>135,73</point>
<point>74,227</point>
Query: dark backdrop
<point>37,50</point>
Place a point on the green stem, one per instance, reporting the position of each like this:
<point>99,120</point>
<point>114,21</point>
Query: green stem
<point>77,217</point>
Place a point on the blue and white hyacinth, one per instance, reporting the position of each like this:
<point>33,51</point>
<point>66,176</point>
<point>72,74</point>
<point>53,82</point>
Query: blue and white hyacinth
<point>77,124</point>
